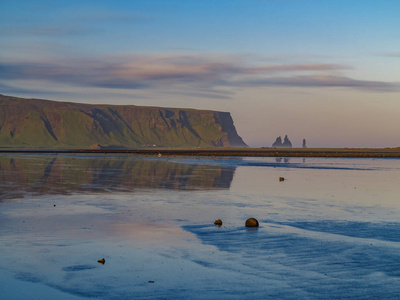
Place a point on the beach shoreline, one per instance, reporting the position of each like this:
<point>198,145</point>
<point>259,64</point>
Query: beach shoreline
<point>244,152</point>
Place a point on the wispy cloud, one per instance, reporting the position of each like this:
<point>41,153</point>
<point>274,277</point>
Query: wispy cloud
<point>298,67</point>
<point>323,81</point>
<point>201,74</point>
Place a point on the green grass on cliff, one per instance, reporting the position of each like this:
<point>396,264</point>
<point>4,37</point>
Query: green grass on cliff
<point>30,123</point>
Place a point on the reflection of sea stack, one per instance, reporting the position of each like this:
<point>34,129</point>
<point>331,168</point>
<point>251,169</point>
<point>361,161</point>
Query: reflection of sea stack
<point>278,143</point>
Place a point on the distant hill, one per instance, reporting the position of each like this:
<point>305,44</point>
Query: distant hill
<point>33,123</point>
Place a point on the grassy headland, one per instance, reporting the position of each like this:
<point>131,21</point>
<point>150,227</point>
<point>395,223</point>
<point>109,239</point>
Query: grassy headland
<point>44,124</point>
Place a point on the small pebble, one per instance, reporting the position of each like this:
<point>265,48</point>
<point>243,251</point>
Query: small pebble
<point>218,222</point>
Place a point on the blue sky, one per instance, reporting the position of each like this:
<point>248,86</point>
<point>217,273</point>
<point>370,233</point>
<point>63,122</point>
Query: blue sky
<point>327,71</point>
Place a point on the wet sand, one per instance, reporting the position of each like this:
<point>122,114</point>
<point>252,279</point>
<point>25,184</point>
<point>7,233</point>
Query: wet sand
<point>330,230</point>
<point>246,152</point>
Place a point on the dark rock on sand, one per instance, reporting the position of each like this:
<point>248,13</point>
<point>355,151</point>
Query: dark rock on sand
<point>218,222</point>
<point>252,222</point>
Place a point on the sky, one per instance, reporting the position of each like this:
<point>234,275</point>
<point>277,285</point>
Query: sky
<point>324,71</point>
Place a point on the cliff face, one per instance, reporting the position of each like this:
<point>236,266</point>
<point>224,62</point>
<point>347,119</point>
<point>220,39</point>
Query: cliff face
<point>32,123</point>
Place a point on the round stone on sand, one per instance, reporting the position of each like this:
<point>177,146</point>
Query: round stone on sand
<point>218,222</point>
<point>251,222</point>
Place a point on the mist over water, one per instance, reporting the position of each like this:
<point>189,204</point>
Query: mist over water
<point>329,230</point>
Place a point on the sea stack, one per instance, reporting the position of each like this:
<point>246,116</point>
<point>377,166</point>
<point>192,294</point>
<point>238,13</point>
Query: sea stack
<point>286,142</point>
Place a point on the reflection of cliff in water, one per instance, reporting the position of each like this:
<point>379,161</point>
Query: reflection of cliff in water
<point>41,175</point>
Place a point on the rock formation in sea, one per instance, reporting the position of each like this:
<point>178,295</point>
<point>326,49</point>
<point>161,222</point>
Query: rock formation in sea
<point>278,143</point>
<point>286,143</point>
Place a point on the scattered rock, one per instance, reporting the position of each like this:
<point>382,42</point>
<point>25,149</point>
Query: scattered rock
<point>281,178</point>
<point>218,222</point>
<point>101,261</point>
<point>252,222</point>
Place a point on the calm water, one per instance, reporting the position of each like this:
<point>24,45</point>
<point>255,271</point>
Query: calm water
<point>330,230</point>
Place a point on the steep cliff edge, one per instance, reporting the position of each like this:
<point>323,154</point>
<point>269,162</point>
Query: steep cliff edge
<point>33,123</point>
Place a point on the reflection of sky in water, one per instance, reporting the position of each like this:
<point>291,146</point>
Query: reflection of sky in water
<point>329,230</point>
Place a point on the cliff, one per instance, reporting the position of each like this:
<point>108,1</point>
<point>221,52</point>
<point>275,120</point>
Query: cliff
<point>33,123</point>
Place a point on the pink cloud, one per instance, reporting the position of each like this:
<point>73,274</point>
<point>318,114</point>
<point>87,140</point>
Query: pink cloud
<point>185,73</point>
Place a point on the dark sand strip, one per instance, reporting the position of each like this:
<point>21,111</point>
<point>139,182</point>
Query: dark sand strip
<point>249,152</point>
